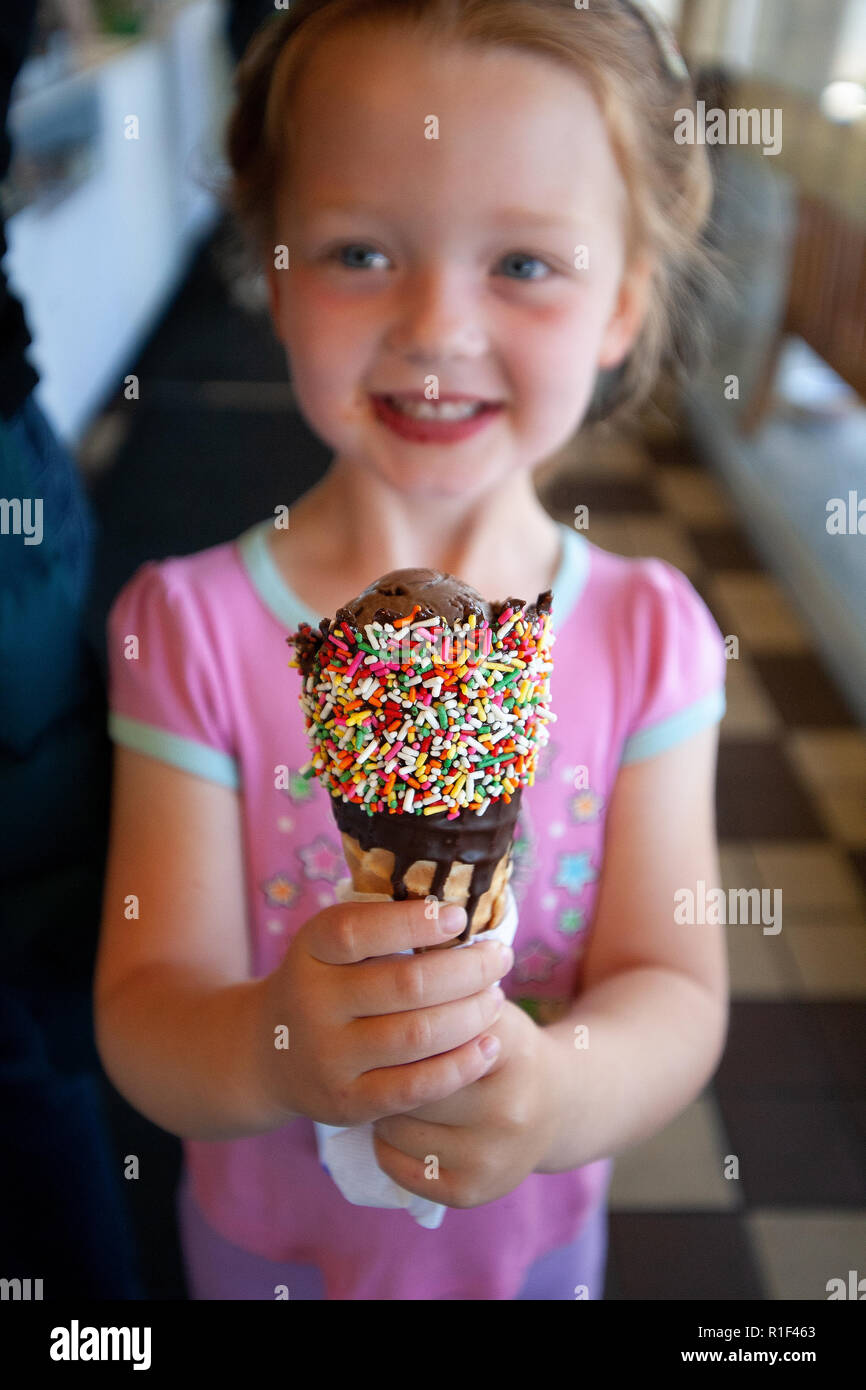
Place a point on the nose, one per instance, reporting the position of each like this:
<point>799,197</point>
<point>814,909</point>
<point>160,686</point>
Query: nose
<point>437,318</point>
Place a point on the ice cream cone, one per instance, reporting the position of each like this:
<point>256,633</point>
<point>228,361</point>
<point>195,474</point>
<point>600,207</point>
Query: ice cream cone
<point>426,707</point>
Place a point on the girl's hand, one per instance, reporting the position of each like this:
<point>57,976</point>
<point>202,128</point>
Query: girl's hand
<point>489,1136</point>
<point>372,1033</point>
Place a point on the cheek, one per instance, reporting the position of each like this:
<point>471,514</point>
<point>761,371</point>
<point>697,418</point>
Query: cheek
<point>328,356</point>
<point>556,364</point>
<point>559,352</point>
<point>553,363</point>
<point>323,329</point>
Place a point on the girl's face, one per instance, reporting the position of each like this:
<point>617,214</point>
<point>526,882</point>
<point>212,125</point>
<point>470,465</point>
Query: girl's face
<point>452,257</point>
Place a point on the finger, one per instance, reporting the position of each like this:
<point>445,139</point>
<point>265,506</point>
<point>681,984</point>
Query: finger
<point>349,932</point>
<point>417,1034</point>
<point>417,1140</point>
<point>391,986</point>
<point>461,1110</point>
<point>405,1170</point>
<point>476,1102</point>
<point>435,1183</point>
<point>441,1112</point>
<point>394,1090</point>
<point>473,1105</point>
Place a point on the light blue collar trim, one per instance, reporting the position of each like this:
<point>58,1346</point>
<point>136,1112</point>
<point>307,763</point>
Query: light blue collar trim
<point>285,605</point>
<point>269,583</point>
<point>571,576</point>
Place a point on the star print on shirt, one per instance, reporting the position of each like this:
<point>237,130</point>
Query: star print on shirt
<point>586,806</point>
<point>545,760</point>
<point>574,872</point>
<point>524,854</point>
<point>571,921</point>
<point>299,788</point>
<point>322,860</point>
<point>543,1011</point>
<point>280,891</point>
<point>537,962</point>
<point>519,850</point>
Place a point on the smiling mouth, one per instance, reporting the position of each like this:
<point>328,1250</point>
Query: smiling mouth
<point>444,410</point>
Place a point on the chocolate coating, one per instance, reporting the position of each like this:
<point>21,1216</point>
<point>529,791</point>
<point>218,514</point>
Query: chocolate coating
<point>472,839</point>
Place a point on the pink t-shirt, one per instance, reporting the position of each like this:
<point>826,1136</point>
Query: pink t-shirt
<point>639,664</point>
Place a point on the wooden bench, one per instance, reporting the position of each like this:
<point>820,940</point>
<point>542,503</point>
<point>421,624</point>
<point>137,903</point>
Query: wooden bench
<point>826,302</point>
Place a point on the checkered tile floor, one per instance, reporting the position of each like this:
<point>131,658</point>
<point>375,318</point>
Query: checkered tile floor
<point>789,1098</point>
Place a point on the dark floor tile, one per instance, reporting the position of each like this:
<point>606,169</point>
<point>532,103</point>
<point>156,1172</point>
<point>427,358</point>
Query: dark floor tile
<point>724,549</point>
<point>685,1256</point>
<point>566,491</point>
<point>858,859</point>
<point>677,453</point>
<point>215,395</point>
<point>185,480</point>
<point>612,1286</point>
<point>803,693</point>
<point>758,795</point>
<point>853,1105</point>
<point>206,337</point>
<point>842,1026</point>
<point>796,1146</point>
<point>772,1044</point>
<point>701,585</point>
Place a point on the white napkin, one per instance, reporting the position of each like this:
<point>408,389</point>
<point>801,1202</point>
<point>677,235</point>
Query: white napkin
<point>347,1153</point>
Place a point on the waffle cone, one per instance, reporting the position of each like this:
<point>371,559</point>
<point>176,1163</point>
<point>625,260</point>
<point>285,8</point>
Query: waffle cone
<point>372,871</point>
<point>471,867</point>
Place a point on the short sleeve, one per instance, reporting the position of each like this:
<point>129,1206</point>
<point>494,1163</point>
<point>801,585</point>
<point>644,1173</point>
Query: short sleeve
<point>165,695</point>
<point>678,662</point>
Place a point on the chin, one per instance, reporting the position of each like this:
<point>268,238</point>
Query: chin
<point>431,481</point>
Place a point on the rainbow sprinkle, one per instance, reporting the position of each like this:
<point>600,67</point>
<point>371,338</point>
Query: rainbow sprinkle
<point>423,718</point>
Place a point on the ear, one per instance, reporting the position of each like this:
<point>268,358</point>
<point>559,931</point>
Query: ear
<point>628,315</point>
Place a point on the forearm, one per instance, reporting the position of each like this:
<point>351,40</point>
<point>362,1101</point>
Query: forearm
<point>648,1040</point>
<point>188,1055</point>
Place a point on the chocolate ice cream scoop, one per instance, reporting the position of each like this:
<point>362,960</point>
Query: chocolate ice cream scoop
<point>396,594</point>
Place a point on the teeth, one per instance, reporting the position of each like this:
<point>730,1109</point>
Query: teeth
<point>437,410</point>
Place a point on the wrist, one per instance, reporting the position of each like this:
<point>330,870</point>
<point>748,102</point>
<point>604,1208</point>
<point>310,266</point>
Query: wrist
<point>265,1071</point>
<point>558,1060</point>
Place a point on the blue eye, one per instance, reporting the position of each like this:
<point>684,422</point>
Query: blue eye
<point>354,246</point>
<point>528,260</point>
<point>341,254</point>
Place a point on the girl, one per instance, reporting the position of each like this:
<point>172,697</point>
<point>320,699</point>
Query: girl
<point>466,209</point>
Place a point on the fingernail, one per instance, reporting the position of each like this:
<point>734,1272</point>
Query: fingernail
<point>507,956</point>
<point>451,919</point>
<point>489,1046</point>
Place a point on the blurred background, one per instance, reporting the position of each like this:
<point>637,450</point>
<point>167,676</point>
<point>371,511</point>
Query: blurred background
<point>146,400</point>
